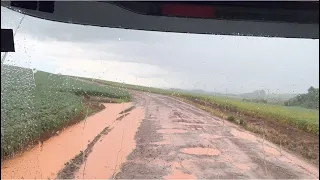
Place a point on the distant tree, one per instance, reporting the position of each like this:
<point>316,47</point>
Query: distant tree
<point>308,100</point>
<point>311,89</point>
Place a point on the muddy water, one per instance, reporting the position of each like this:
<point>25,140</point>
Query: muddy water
<point>45,162</point>
<point>109,153</point>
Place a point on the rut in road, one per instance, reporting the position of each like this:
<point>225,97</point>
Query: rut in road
<point>178,141</point>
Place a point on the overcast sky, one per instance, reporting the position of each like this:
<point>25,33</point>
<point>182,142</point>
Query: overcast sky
<point>169,60</point>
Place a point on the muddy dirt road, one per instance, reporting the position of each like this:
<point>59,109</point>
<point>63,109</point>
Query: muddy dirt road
<point>178,141</point>
<point>160,138</point>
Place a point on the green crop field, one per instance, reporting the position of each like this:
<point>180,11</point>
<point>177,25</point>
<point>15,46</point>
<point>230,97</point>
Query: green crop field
<point>302,118</point>
<point>34,103</point>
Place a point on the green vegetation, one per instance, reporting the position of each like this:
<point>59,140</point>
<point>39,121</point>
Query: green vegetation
<point>231,118</point>
<point>133,87</point>
<point>38,103</point>
<point>305,119</point>
<point>243,123</point>
<point>308,100</point>
<point>256,100</point>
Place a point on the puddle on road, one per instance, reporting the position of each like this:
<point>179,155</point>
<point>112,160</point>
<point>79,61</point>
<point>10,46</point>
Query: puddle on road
<point>201,151</point>
<point>171,131</point>
<point>56,151</point>
<point>108,154</point>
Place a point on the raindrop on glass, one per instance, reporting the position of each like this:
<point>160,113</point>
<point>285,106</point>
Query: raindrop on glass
<point>34,70</point>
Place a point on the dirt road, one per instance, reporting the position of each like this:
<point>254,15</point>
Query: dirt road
<point>178,141</point>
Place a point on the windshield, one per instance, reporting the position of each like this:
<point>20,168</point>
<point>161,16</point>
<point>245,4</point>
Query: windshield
<point>85,102</point>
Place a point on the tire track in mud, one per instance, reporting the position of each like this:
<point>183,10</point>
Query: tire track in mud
<point>73,168</point>
<point>73,165</point>
<point>111,151</point>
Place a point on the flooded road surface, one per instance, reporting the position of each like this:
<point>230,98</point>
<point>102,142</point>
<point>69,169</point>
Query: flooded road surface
<point>179,141</point>
<point>161,138</point>
<point>45,162</point>
<point>112,150</point>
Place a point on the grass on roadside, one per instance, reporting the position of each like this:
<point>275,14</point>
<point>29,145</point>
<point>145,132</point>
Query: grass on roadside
<point>301,118</point>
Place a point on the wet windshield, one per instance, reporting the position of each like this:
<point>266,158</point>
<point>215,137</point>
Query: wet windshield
<point>86,102</point>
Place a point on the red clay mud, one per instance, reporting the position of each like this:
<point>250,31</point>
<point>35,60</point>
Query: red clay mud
<point>45,162</point>
<point>110,152</point>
